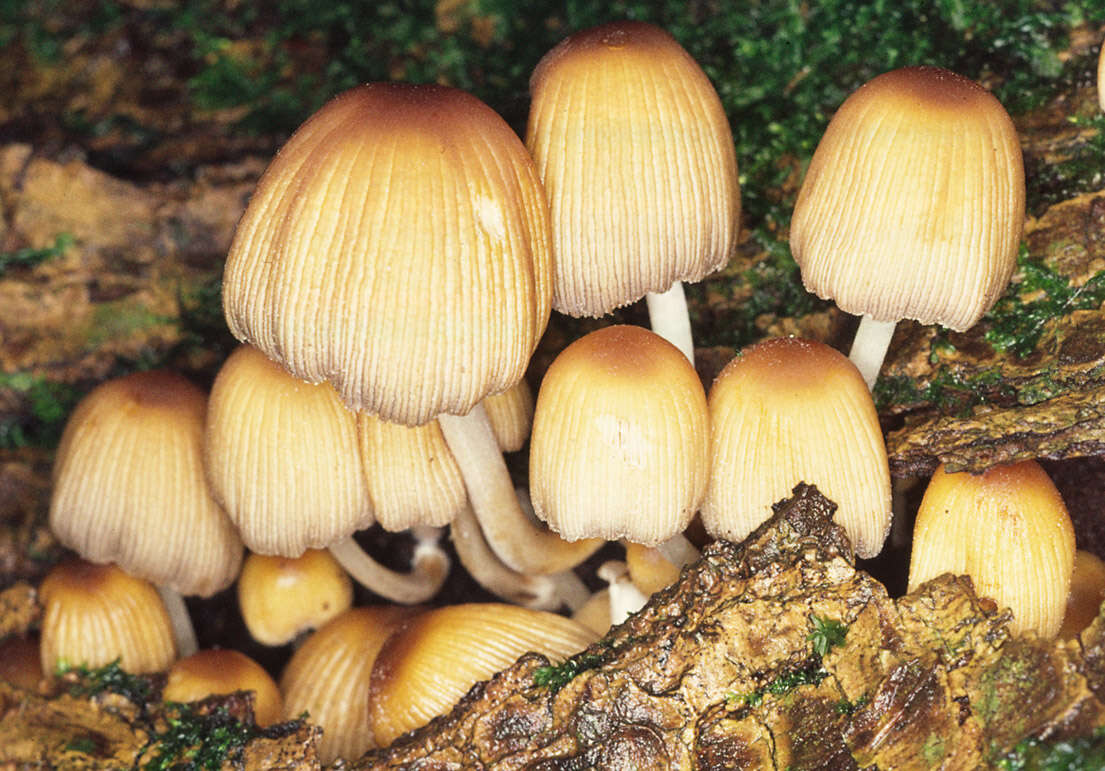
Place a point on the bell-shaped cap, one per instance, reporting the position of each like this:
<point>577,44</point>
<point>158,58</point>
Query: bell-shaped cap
<point>224,671</point>
<point>1007,529</point>
<point>1087,593</point>
<point>283,597</point>
<point>511,415</point>
<point>638,161</point>
<point>282,457</point>
<point>788,410</point>
<point>434,658</point>
<point>621,434</point>
<point>329,676</point>
<point>95,614</point>
<point>399,247</point>
<point>913,204</point>
<point>129,485</point>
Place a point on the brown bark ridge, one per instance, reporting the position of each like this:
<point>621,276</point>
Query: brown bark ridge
<point>777,653</point>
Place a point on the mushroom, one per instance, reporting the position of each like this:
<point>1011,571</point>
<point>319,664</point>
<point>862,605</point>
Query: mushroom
<point>282,457</point>
<point>224,671</point>
<point>621,435</point>
<point>1007,529</point>
<point>912,206</point>
<point>1087,592</point>
<point>96,614</point>
<point>283,597</point>
<point>21,661</point>
<point>129,489</point>
<point>399,247</point>
<point>328,677</point>
<point>637,157</point>
<point>785,411</point>
<point>433,658</point>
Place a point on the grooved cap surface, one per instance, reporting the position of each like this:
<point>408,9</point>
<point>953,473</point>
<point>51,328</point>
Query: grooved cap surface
<point>224,671</point>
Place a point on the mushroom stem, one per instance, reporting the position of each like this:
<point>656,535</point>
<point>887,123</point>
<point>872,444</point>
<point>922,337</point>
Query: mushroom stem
<point>625,598</point>
<point>429,567</point>
<point>869,347</point>
<point>532,591</point>
<point>668,315</point>
<point>679,551</point>
<point>516,537</point>
<point>184,633</point>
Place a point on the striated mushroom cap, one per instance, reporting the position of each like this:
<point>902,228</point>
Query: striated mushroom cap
<point>913,203</point>
<point>397,246</point>
<point>95,614</point>
<point>785,411</point>
<point>129,485</point>
<point>1009,530</point>
<point>435,657</point>
<point>282,457</point>
<point>637,158</point>
<point>224,671</point>
<point>621,433</point>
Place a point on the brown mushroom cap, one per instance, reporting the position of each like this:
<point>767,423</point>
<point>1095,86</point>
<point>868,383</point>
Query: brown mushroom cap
<point>785,411</point>
<point>636,154</point>
<point>21,661</point>
<point>1087,592</point>
<point>282,597</point>
<point>328,677</point>
<point>398,246</point>
<point>95,614</point>
<point>129,485</point>
<point>620,445</point>
<point>913,203</point>
<point>435,657</point>
<point>282,457</point>
<point>1009,530</point>
<point>214,672</point>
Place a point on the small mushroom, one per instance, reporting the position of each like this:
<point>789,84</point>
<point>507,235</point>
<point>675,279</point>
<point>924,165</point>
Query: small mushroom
<point>224,671</point>
<point>637,157</point>
<point>1007,529</point>
<point>788,410</point>
<point>912,206</point>
<point>1087,592</point>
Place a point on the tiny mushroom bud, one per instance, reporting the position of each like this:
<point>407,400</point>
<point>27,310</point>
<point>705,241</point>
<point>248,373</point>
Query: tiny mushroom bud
<point>785,411</point>
<point>912,206</point>
<point>224,671</point>
<point>95,614</point>
<point>1007,529</point>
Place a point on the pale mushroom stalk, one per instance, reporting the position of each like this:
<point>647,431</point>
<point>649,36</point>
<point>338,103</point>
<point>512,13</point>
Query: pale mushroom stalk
<point>678,550</point>
<point>532,591</point>
<point>625,598</point>
<point>869,347</point>
<point>519,540</point>
<point>669,318</point>
<point>184,633</point>
<point>429,567</point>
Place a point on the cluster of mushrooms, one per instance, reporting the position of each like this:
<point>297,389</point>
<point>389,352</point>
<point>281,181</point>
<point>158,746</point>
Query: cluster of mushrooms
<point>390,280</point>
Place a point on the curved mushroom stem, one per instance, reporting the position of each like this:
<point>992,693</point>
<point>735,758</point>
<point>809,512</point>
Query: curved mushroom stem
<point>625,598</point>
<point>522,542</point>
<point>679,551</point>
<point>869,347</point>
<point>184,633</point>
<point>532,591</point>
<point>429,567</point>
<point>668,315</point>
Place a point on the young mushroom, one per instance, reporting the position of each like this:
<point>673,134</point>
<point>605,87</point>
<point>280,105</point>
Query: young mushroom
<point>912,206</point>
<point>224,671</point>
<point>96,614</point>
<point>129,489</point>
<point>785,411</point>
<point>1087,592</point>
<point>398,246</point>
<point>283,458</point>
<point>635,151</point>
<point>1007,529</point>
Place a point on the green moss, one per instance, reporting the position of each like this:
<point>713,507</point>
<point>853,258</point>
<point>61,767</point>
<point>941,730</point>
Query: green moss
<point>555,677</point>
<point>933,750</point>
<point>1081,754</point>
<point>110,678</point>
<point>28,258</point>
<point>826,634</point>
<point>50,403</point>
<point>194,740</point>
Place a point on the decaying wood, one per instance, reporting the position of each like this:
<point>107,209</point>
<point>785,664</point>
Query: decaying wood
<point>697,678</point>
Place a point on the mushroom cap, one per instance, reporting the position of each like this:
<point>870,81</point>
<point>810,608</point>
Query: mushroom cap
<point>620,445</point>
<point>1007,529</point>
<point>21,661</point>
<point>398,246</point>
<point>1087,592</point>
<point>649,570</point>
<point>129,485</point>
<point>913,203</point>
<point>788,410</point>
<point>511,415</point>
<point>224,671</point>
<point>329,677</point>
<point>282,457</point>
<point>95,614</point>
<point>638,161</point>
<point>282,597</point>
<point>433,658</point>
